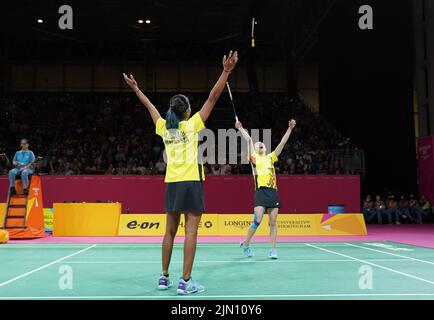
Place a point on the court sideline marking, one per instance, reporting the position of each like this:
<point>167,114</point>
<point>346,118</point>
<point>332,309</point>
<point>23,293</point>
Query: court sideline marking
<point>156,245</point>
<point>370,263</point>
<point>45,266</point>
<point>390,253</point>
<point>224,261</point>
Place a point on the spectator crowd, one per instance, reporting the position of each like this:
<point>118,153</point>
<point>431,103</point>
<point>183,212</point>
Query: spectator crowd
<point>111,133</point>
<point>397,210</point>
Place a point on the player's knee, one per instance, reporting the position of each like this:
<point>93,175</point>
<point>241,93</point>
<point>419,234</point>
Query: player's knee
<point>255,224</point>
<point>191,231</point>
<point>171,232</point>
<point>191,234</point>
<point>273,222</point>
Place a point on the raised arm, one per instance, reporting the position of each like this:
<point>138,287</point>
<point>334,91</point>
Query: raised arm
<point>155,115</point>
<point>246,136</point>
<point>228,65</point>
<point>285,138</point>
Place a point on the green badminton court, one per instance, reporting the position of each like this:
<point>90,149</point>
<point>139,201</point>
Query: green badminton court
<point>315,270</point>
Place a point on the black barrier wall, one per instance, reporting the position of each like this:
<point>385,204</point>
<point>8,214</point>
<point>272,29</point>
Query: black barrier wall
<point>366,88</point>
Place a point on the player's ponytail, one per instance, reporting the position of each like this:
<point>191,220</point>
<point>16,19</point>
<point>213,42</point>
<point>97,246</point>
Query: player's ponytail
<point>177,106</point>
<point>172,120</point>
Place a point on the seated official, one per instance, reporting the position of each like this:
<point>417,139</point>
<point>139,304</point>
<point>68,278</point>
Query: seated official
<point>392,208</point>
<point>380,208</point>
<point>23,164</point>
<point>369,209</point>
<point>415,210</point>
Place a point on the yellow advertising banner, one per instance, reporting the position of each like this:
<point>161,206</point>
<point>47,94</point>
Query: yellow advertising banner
<point>86,219</point>
<point>208,225</point>
<point>142,225</point>
<point>296,225</point>
<point>155,225</point>
<point>238,225</point>
<point>287,224</point>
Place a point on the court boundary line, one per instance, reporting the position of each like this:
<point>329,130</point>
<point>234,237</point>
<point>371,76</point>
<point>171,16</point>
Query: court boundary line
<point>390,253</point>
<point>407,244</point>
<point>373,264</point>
<point>44,266</point>
<point>227,261</point>
<point>158,244</point>
<point>202,297</point>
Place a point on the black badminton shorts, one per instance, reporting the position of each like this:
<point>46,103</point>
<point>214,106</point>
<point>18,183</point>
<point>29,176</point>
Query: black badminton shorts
<point>267,198</point>
<point>185,196</point>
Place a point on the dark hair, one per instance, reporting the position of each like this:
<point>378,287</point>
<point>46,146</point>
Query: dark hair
<point>177,106</point>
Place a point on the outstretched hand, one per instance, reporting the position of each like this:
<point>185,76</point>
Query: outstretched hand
<point>230,62</point>
<point>238,125</point>
<point>131,81</point>
<point>155,115</point>
<point>292,124</point>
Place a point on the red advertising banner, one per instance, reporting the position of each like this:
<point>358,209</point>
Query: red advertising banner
<point>223,194</point>
<point>425,149</point>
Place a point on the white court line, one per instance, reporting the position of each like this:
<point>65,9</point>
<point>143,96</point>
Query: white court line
<point>225,261</point>
<point>390,253</point>
<point>201,297</point>
<point>372,264</point>
<point>158,245</point>
<point>44,266</point>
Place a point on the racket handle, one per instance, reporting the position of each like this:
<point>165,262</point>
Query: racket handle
<point>236,118</point>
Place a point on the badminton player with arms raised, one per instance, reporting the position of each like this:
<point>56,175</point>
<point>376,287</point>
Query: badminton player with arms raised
<point>266,195</point>
<point>184,173</point>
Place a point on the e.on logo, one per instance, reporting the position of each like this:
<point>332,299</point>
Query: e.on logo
<point>143,225</point>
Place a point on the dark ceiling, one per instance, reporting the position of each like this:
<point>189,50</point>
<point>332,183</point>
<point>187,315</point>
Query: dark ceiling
<point>195,29</point>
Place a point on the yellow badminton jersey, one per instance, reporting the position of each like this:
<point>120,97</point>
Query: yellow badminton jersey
<point>182,149</point>
<point>263,170</point>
